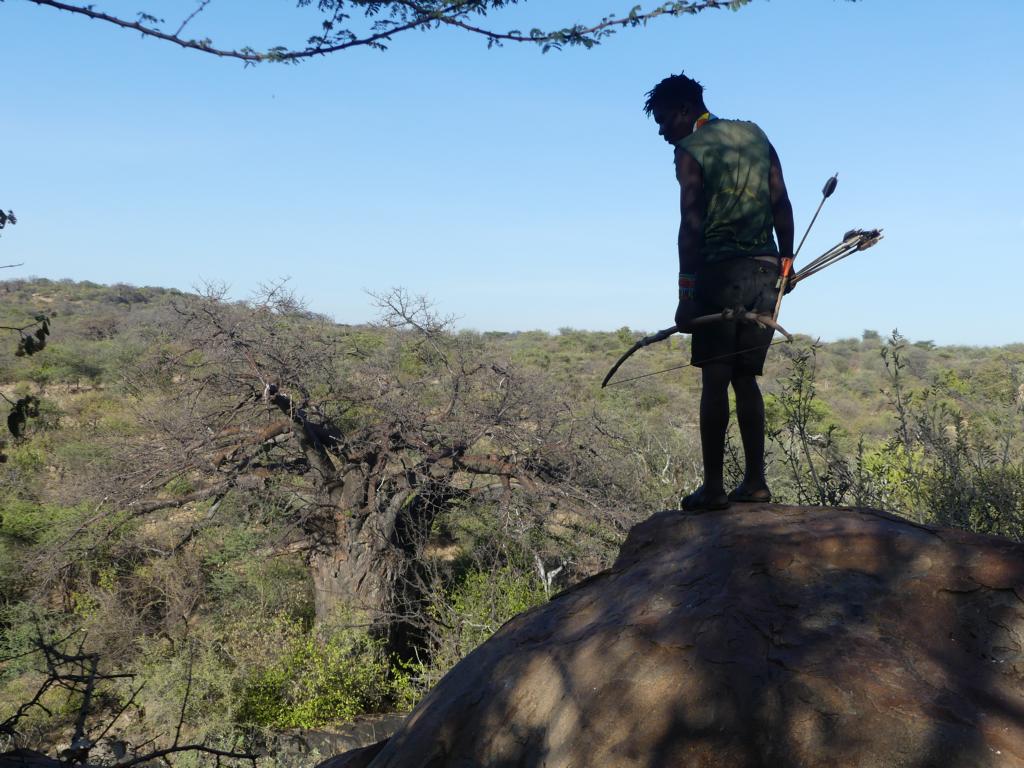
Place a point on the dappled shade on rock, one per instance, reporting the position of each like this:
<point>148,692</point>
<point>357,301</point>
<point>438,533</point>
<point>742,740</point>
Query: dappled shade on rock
<point>759,636</point>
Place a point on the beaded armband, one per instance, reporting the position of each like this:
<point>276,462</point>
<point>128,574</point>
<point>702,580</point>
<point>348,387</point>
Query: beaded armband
<point>687,285</point>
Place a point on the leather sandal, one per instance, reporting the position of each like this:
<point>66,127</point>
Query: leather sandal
<point>701,500</point>
<point>742,495</point>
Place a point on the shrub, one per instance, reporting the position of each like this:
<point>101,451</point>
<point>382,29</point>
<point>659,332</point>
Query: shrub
<point>473,610</point>
<point>319,680</point>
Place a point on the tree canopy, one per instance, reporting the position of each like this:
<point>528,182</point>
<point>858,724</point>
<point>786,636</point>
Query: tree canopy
<point>348,24</point>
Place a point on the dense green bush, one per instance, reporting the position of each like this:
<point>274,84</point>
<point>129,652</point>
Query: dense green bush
<point>464,615</point>
<point>483,601</point>
<point>329,676</point>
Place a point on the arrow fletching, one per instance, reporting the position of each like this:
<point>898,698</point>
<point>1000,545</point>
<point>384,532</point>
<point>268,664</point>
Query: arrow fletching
<point>830,186</point>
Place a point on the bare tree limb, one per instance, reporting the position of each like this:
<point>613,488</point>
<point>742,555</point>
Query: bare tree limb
<point>158,754</point>
<point>79,673</point>
<point>154,505</point>
<point>191,16</point>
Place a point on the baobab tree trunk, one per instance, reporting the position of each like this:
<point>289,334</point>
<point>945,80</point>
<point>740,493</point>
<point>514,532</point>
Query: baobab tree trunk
<point>368,564</point>
<point>359,571</point>
<point>375,509</point>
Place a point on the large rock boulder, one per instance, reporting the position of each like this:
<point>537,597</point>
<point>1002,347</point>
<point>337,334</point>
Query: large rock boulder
<point>759,636</point>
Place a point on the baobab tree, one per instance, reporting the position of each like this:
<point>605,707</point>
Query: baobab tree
<point>361,436</point>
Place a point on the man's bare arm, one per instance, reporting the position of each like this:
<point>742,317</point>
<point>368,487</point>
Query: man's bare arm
<point>692,210</point>
<point>691,235</point>
<point>782,209</point>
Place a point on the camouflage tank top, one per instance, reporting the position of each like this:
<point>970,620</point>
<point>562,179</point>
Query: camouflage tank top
<point>735,159</point>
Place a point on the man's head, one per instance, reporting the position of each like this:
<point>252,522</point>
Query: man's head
<point>675,103</point>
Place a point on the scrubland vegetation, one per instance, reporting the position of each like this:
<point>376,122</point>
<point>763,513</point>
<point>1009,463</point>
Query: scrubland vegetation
<point>270,521</point>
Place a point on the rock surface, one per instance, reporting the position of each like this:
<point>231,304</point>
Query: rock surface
<point>27,758</point>
<point>294,748</point>
<point>356,758</point>
<point>760,636</point>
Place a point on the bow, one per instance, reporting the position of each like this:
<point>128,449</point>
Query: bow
<point>661,335</point>
<point>853,241</point>
<point>743,315</point>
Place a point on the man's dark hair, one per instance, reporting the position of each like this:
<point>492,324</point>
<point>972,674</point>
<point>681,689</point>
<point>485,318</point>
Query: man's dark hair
<point>673,92</point>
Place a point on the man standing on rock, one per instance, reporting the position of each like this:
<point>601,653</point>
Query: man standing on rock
<point>732,197</point>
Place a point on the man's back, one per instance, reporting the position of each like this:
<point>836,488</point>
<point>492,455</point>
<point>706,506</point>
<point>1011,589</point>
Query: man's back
<point>735,160</point>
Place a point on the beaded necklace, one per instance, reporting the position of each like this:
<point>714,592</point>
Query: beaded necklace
<point>703,120</point>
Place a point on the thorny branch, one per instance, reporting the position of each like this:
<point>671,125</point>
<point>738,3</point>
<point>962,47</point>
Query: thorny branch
<point>389,18</point>
<point>196,12</point>
<point>78,673</point>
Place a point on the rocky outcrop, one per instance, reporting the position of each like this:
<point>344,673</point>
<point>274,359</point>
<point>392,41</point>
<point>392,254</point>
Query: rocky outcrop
<point>294,748</point>
<point>760,636</point>
<point>356,758</point>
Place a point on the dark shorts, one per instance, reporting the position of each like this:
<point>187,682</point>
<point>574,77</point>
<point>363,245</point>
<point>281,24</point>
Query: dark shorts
<point>742,282</point>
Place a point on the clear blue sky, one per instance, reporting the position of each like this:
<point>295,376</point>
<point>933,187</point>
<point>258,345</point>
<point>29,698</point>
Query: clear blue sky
<point>520,190</point>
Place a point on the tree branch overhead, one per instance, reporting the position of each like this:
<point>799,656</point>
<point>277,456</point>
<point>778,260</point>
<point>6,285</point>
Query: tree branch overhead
<point>383,20</point>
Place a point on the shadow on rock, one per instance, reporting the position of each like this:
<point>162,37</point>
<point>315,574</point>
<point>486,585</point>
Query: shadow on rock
<point>760,636</point>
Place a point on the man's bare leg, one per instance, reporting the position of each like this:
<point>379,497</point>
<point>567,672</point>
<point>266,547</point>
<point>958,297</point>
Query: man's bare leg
<point>750,415</point>
<point>714,420</point>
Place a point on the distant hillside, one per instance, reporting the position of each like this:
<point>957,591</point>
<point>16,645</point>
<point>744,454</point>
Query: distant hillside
<point>96,326</point>
<point>94,323</point>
